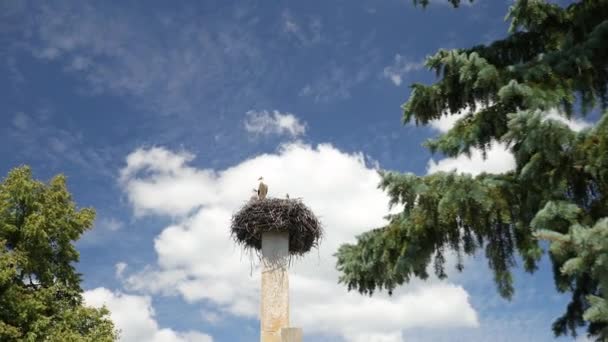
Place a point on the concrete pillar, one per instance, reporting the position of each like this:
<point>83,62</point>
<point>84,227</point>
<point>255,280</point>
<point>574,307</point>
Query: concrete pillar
<point>274,313</point>
<point>291,335</point>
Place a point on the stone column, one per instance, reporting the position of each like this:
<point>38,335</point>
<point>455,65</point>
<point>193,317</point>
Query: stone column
<point>275,286</point>
<point>291,335</point>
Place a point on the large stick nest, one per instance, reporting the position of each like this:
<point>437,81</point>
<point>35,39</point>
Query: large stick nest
<point>277,215</point>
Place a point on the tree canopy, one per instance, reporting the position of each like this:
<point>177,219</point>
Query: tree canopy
<point>40,293</point>
<point>554,59</point>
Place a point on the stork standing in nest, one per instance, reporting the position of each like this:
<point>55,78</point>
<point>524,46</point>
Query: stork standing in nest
<point>262,189</point>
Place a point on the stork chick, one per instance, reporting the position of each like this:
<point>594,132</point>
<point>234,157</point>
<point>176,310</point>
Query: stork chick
<point>255,196</point>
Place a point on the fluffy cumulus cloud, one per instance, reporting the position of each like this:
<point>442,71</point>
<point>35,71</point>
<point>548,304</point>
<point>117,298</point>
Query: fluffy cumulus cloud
<point>134,316</point>
<point>273,123</point>
<point>198,261</point>
<point>498,158</point>
<point>575,124</point>
<point>446,122</point>
<point>400,68</point>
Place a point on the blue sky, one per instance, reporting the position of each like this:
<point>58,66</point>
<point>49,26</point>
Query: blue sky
<point>163,115</point>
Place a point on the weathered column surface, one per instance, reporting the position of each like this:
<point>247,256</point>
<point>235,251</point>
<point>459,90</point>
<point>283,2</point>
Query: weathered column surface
<point>291,335</point>
<point>275,285</point>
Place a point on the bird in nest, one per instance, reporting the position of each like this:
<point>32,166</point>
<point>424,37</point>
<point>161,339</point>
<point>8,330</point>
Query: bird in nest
<point>254,196</point>
<point>262,189</point>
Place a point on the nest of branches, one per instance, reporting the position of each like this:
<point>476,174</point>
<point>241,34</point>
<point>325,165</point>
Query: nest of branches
<point>277,215</point>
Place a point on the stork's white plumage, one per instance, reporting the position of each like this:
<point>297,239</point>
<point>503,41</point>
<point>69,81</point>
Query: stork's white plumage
<point>254,197</point>
<point>262,189</point>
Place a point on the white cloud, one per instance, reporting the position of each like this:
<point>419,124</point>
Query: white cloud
<point>391,337</point>
<point>198,260</point>
<point>498,159</point>
<point>109,223</point>
<point>266,123</point>
<point>120,269</point>
<point>400,67</point>
<point>134,316</point>
<point>211,317</point>
<point>290,26</point>
<point>446,122</point>
<point>170,175</point>
<point>305,35</point>
<point>575,124</point>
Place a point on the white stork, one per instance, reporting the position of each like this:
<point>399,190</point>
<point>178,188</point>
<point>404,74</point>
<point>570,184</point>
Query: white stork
<point>254,197</point>
<point>262,189</point>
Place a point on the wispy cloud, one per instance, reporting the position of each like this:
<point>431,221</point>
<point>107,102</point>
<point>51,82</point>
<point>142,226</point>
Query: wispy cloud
<point>306,32</point>
<point>273,123</point>
<point>39,138</point>
<point>167,75</point>
<point>109,223</point>
<point>120,269</point>
<point>335,84</point>
<point>336,80</point>
<point>21,121</point>
<point>400,68</point>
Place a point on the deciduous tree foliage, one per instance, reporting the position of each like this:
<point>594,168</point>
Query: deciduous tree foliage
<point>554,59</point>
<point>40,294</point>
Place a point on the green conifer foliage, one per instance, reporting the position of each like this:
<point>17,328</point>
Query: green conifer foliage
<point>553,59</point>
<point>40,294</point>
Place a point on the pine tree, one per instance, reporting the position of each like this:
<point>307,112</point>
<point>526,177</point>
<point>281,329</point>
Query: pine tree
<point>554,59</point>
<point>40,294</point>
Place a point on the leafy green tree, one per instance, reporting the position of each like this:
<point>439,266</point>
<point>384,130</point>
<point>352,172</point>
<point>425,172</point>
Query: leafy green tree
<point>554,59</point>
<point>40,294</point>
